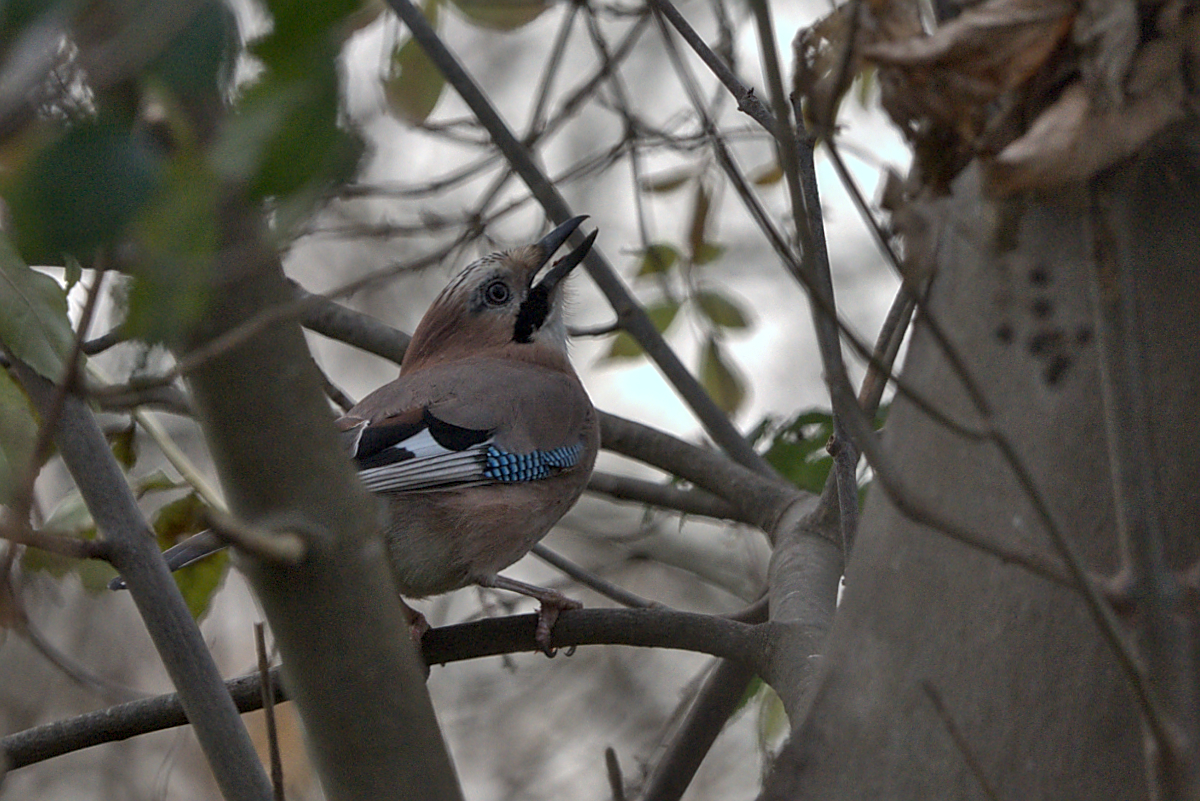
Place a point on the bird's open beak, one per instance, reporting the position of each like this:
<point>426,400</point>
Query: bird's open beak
<point>552,242</point>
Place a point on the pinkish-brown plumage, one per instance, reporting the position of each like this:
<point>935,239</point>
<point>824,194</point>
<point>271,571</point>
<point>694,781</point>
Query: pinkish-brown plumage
<point>487,437</point>
<point>486,377</point>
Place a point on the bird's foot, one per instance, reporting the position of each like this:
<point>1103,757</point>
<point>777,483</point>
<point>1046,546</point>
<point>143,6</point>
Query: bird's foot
<point>417,624</point>
<point>417,627</point>
<point>552,603</point>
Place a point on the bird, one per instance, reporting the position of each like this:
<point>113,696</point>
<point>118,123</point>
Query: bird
<point>485,439</point>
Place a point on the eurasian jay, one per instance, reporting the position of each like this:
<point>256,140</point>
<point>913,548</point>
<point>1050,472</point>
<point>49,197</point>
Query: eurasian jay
<point>486,438</point>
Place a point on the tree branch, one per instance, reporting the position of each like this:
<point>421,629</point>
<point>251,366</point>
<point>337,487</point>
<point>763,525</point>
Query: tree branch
<point>133,552</point>
<point>632,317</point>
<point>649,628</point>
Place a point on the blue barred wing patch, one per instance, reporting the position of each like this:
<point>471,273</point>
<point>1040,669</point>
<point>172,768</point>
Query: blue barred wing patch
<point>532,466</point>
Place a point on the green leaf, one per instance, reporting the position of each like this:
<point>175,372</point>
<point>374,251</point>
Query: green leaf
<point>623,347</point>
<point>198,582</point>
<point>668,181</point>
<point>177,243</point>
<point>797,449</point>
<point>662,314</point>
<point>720,379</point>
<point>123,443</point>
<point>72,517</point>
<point>706,253</point>
<point>33,315</point>
<point>767,174</point>
<point>79,192</point>
<point>286,136</point>
<point>752,690</point>
<point>721,310</point>
<point>414,85</point>
<point>300,28</point>
<point>772,720</point>
<point>658,258</point>
<point>158,481</point>
<point>72,273</point>
<point>18,434</point>
<point>698,232</point>
<point>501,15</point>
<point>198,64</point>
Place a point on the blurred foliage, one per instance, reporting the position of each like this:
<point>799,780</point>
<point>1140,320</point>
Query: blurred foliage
<point>173,523</point>
<point>18,434</point>
<point>501,15</point>
<point>123,442</point>
<point>132,170</point>
<point>141,168</point>
<point>796,446</point>
<point>412,85</point>
<point>672,267</point>
<point>33,315</point>
<point>720,378</point>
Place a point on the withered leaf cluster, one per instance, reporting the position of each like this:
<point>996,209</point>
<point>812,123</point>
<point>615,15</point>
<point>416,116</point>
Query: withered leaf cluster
<point>1042,92</point>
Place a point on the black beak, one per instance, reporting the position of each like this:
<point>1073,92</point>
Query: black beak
<point>539,302</point>
<point>555,239</point>
<point>568,262</point>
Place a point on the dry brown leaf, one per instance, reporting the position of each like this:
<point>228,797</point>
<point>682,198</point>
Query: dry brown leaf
<point>1106,32</point>
<point>987,50</point>
<point>938,88</point>
<point>820,52</point>
<point>1083,132</point>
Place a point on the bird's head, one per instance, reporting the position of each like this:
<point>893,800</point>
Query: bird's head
<point>498,303</point>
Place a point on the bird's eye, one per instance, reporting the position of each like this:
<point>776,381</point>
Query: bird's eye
<point>497,293</point>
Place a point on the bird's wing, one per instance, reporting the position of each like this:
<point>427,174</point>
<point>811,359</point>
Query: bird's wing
<point>476,424</point>
<point>414,450</point>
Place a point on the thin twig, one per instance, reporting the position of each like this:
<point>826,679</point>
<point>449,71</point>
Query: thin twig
<point>22,499</point>
<point>633,318</point>
<point>747,101</point>
<point>651,628</point>
<point>960,741</point>
<point>52,542</point>
<point>179,643</point>
<point>593,582</point>
<point>268,706</point>
<point>765,223</point>
<point>717,699</point>
<point>612,767</point>
<point>666,496</point>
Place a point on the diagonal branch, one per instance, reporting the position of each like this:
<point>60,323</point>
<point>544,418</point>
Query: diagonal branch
<point>134,553</point>
<point>633,318</point>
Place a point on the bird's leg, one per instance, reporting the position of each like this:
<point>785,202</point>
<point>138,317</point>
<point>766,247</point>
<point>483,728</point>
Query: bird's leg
<point>417,624</point>
<point>552,602</point>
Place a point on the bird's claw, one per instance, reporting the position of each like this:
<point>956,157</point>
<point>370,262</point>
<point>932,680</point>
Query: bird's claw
<point>548,613</point>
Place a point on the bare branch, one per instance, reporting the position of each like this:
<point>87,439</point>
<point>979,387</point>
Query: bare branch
<point>665,496</point>
<point>590,580</point>
<point>633,318</point>
<point>185,655</point>
<point>651,628</point>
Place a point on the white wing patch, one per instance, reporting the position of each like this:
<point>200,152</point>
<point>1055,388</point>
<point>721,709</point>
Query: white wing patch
<point>431,467</point>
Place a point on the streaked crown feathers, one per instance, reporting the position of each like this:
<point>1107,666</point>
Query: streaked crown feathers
<point>494,303</point>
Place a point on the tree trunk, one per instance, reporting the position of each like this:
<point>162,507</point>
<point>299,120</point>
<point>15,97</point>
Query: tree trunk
<point>1033,701</point>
